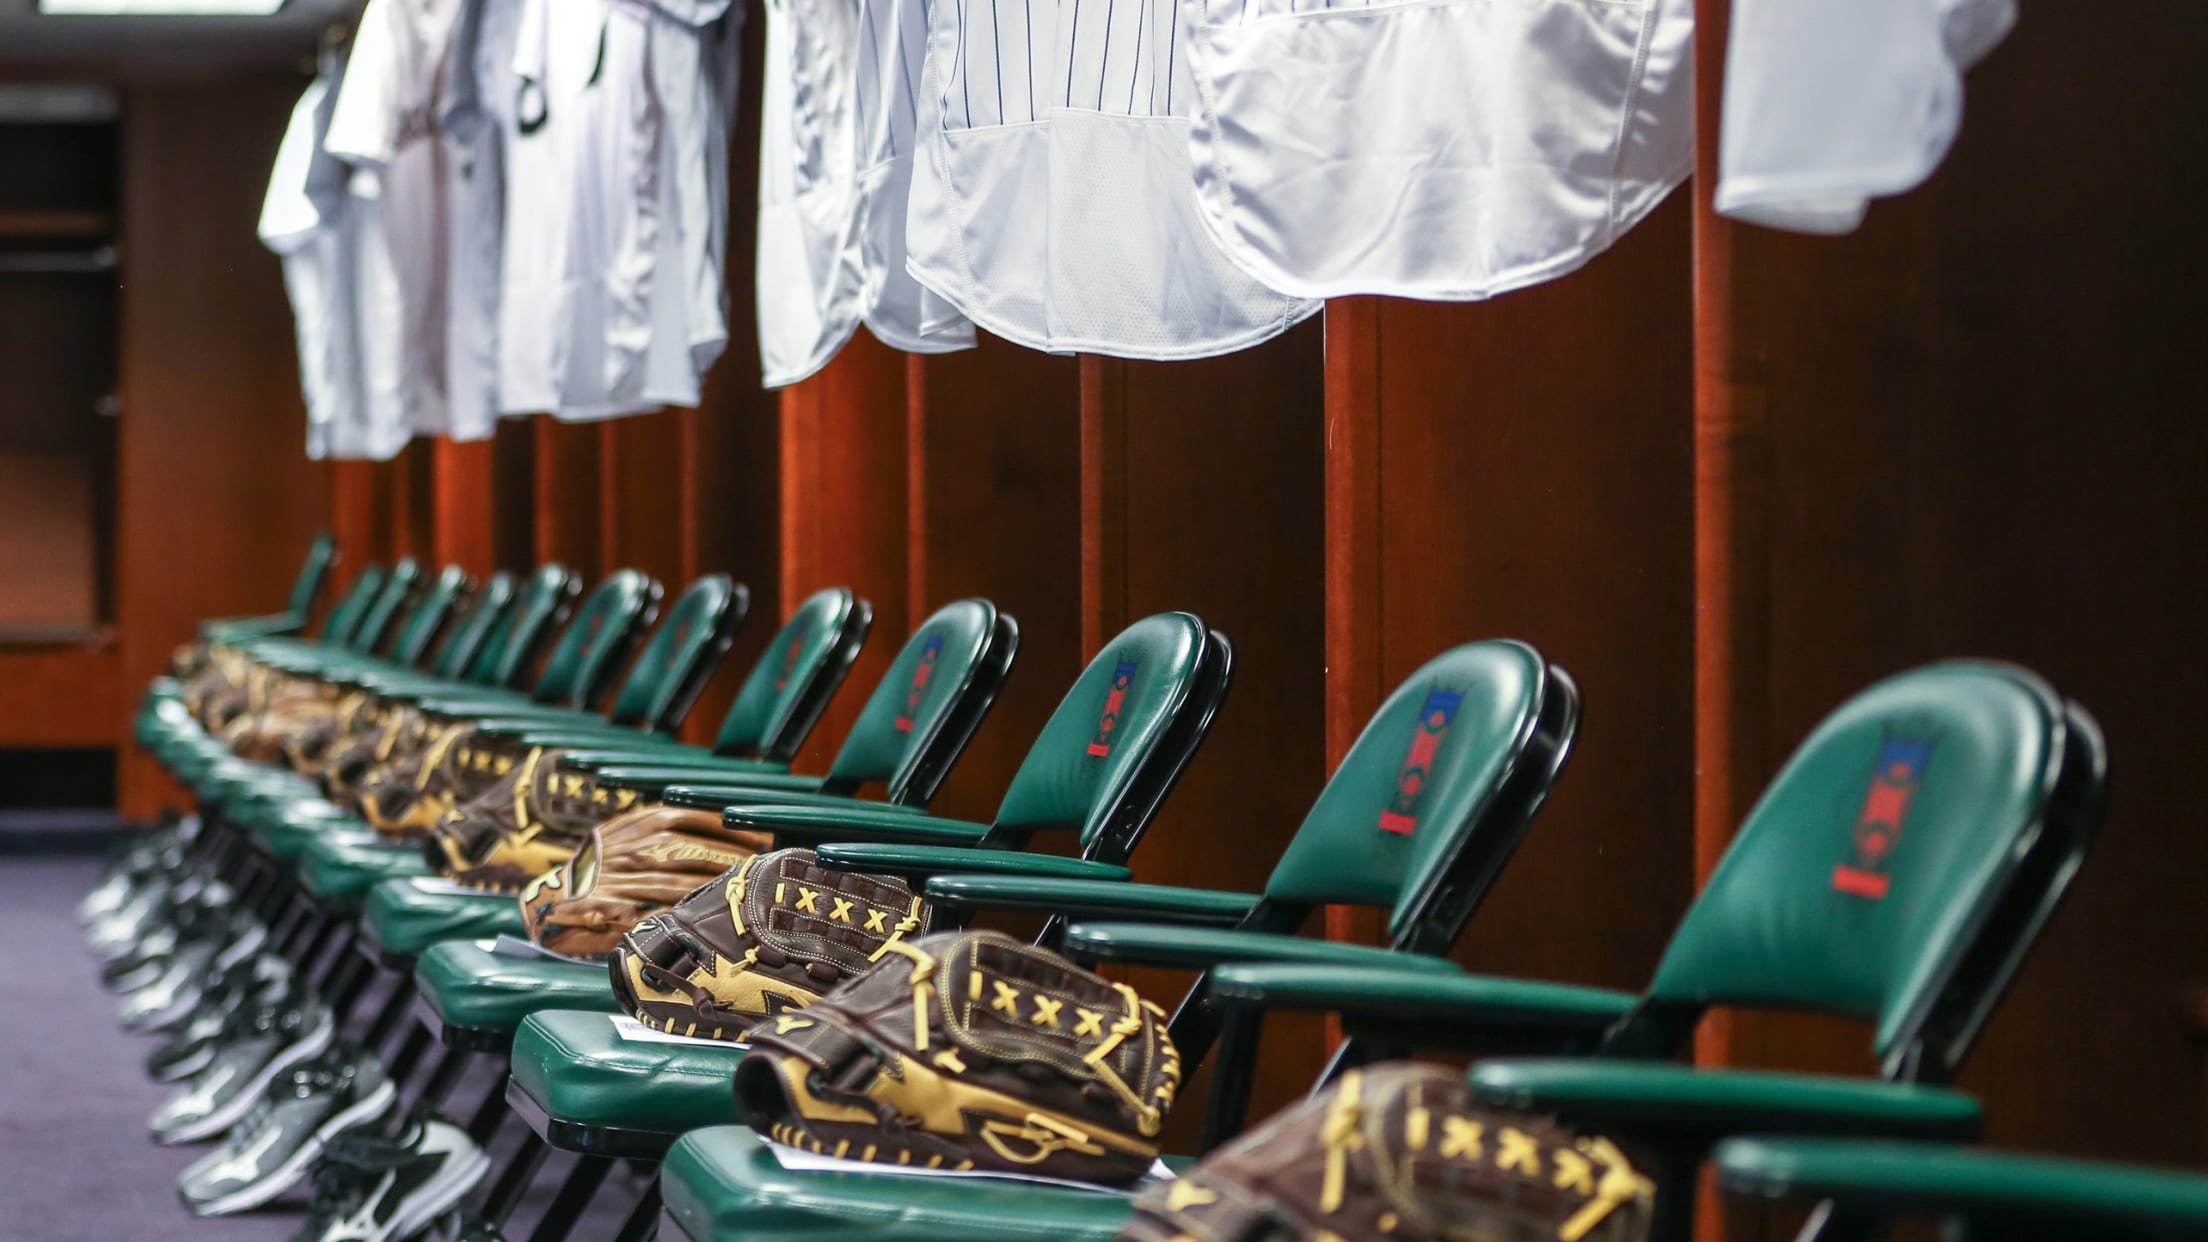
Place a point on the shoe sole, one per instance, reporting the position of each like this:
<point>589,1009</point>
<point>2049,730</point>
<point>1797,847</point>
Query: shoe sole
<point>295,1165</point>
<point>229,1111</point>
<point>169,1015</point>
<point>437,1195</point>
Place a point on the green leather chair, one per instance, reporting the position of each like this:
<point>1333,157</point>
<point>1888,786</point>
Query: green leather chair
<point>1101,766</point>
<point>298,606</point>
<point>1419,819</point>
<point>1866,1186</point>
<point>1896,871</point>
<point>1992,828</point>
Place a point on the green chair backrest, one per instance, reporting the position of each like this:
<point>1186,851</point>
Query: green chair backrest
<point>1901,863</point>
<point>1411,802</point>
<point>398,588</point>
<point>790,685</point>
<point>510,654</point>
<point>929,703</point>
<point>1106,758</point>
<point>673,667</point>
<point>307,587</point>
<point>344,620</point>
<point>487,612</point>
<point>429,616</point>
<point>602,631</point>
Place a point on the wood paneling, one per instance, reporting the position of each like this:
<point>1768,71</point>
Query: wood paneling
<point>566,519</point>
<point>461,521</point>
<point>60,695</point>
<point>640,494</point>
<point>994,486</point>
<point>1202,488</point>
<point>1980,413</point>
<point>513,509</point>
<point>843,506</point>
<point>216,506</point>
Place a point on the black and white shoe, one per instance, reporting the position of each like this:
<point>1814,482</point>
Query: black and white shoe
<point>373,1188</point>
<point>272,1149</point>
<point>263,1044</point>
<point>172,995</point>
<point>264,981</point>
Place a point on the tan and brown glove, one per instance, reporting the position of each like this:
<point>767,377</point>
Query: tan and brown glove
<point>1402,1153</point>
<point>411,793</point>
<point>773,935</point>
<point>969,1050</point>
<point>631,867</point>
<point>527,822</point>
<point>383,736</point>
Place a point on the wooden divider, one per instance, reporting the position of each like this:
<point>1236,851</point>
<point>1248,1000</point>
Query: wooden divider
<point>567,522</point>
<point>1201,488</point>
<point>463,520</point>
<point>843,507</point>
<point>993,489</point>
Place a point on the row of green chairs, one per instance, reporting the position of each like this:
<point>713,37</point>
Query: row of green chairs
<point>1896,871</point>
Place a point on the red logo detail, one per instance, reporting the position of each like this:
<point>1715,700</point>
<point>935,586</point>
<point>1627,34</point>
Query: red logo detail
<point>1434,719</point>
<point>929,654</point>
<point>1122,678</point>
<point>1895,776</point>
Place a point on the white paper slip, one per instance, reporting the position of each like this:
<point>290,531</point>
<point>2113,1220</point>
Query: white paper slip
<point>630,1029</point>
<point>439,886</point>
<point>797,1158</point>
<point>530,950</point>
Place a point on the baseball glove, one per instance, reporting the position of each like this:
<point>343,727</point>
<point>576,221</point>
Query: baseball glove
<point>411,793</point>
<point>776,933</point>
<point>529,821</point>
<point>630,867</point>
<point>1401,1153</point>
<point>969,1050</point>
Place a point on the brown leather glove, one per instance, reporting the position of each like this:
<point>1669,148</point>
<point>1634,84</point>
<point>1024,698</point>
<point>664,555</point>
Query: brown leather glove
<point>630,867</point>
<point>1401,1153</point>
<point>527,822</point>
<point>772,935</point>
<point>410,794</point>
<point>969,1050</point>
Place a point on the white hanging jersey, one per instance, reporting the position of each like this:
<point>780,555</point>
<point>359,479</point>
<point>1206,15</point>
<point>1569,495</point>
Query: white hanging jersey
<point>1439,149</point>
<point>900,311</point>
<point>303,220</point>
<point>479,72</point>
<point>811,283</point>
<point>385,125</point>
<point>1052,195</point>
<point>1828,106</point>
<point>626,109</point>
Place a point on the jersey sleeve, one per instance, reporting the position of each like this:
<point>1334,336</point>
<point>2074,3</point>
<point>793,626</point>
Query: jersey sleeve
<point>1828,106</point>
<point>364,127</point>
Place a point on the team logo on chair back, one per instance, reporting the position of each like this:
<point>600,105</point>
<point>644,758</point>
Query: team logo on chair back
<point>798,635</point>
<point>1895,775</point>
<point>929,655</point>
<point>1106,724</point>
<point>1434,719</point>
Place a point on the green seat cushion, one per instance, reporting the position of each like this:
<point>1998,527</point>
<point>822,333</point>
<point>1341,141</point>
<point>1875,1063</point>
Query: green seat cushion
<point>886,858</point>
<point>467,985</point>
<point>579,1069</point>
<point>404,917</point>
<point>345,867</point>
<point>724,1183</point>
<point>1996,1192</point>
<point>1718,1103</point>
<point>1472,1003</point>
<point>1091,898</point>
<point>1198,948</point>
